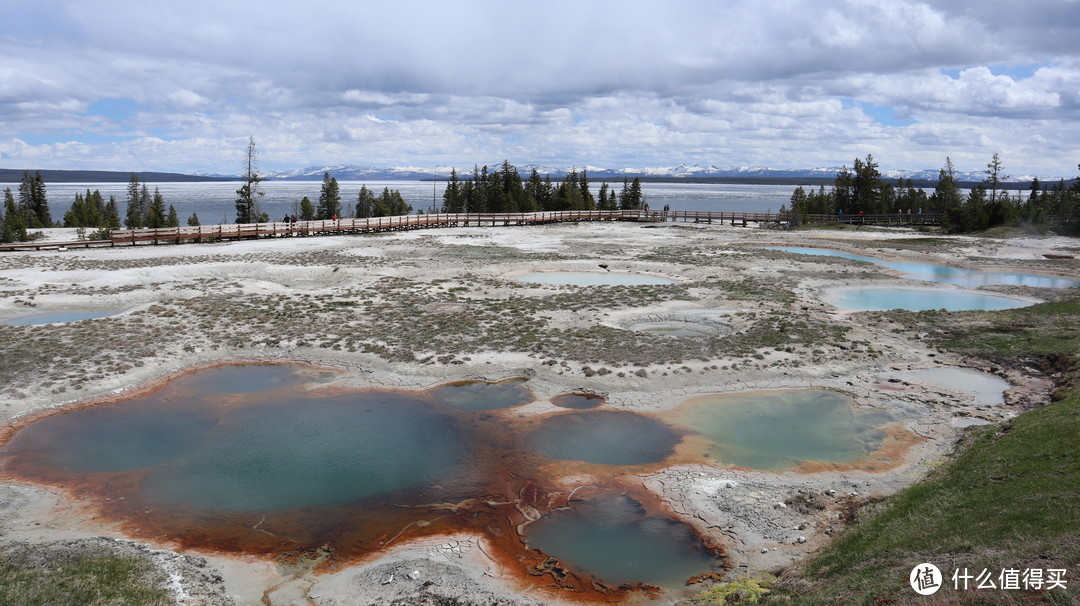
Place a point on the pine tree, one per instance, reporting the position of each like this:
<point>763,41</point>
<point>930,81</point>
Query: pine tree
<point>193,220</point>
<point>391,204</point>
<point>172,219</point>
<point>136,212</point>
<point>155,212</point>
<point>602,197</point>
<point>13,228</point>
<point>995,176</point>
<point>452,199</point>
<point>587,200</point>
<point>110,216</point>
<point>33,203</point>
<point>75,215</point>
<point>631,197</point>
<point>568,196</point>
<point>946,193</point>
<point>307,209</point>
<point>365,202</point>
<point>329,199</point>
<point>247,197</point>
<point>867,186</point>
<point>26,201</point>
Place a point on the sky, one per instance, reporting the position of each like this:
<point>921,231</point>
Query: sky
<point>180,86</point>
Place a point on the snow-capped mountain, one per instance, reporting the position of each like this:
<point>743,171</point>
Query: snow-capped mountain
<point>344,172</point>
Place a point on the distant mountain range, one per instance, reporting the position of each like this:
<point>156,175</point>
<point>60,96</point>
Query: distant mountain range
<point>681,172</point>
<point>14,175</point>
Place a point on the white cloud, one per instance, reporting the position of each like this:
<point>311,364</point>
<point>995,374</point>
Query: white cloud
<point>627,83</point>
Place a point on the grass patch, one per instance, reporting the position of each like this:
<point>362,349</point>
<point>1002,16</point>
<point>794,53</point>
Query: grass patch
<point>54,576</point>
<point>1008,499</point>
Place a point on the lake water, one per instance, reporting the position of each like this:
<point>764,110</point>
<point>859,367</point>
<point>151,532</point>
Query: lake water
<point>945,274</point>
<point>215,201</point>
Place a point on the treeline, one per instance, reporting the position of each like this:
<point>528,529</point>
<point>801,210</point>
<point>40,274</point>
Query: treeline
<point>388,203</point>
<point>988,204</point>
<point>503,190</point>
<point>29,211</point>
<point>148,211</point>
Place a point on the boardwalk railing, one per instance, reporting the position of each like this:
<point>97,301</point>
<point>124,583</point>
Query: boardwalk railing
<point>210,233</point>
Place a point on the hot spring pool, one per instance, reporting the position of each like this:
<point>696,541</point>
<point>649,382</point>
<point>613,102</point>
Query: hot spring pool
<point>946,274</point>
<point>54,317</point>
<point>274,458</point>
<point>781,429</point>
<point>988,389</point>
<point>920,299</point>
<point>612,538</point>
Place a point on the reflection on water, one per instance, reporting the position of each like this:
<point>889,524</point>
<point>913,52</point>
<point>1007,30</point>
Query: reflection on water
<point>592,278</point>
<point>612,538</point>
<point>944,273</point>
<point>53,317</point>
<point>780,429</point>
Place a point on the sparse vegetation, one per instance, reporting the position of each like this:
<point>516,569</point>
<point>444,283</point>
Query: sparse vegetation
<point>1007,499</point>
<point>49,575</point>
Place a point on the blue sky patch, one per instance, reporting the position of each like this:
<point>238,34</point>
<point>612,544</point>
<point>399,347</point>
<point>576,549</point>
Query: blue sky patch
<point>882,114</point>
<point>68,137</point>
<point>119,110</point>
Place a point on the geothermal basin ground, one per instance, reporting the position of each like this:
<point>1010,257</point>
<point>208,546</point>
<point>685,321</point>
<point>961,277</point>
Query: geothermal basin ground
<point>418,311</point>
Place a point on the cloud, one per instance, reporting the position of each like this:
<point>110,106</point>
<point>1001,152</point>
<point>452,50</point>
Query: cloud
<point>633,83</point>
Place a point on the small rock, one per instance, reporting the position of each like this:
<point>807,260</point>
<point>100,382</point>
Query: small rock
<point>780,506</point>
<point>416,574</point>
<point>800,540</point>
<point>764,550</point>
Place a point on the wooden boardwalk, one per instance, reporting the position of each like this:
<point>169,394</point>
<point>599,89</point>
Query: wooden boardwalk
<point>250,231</point>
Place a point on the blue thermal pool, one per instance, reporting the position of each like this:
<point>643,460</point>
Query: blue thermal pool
<point>611,537</point>
<point>271,459</point>
<point>946,274</point>
<point>483,395</point>
<point>920,299</point>
<point>578,401</point>
<point>592,278</point>
<point>54,317</point>
<point>781,429</point>
<point>611,437</point>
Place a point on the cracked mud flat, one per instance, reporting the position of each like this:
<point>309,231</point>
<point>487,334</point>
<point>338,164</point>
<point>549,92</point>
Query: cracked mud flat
<point>415,309</point>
